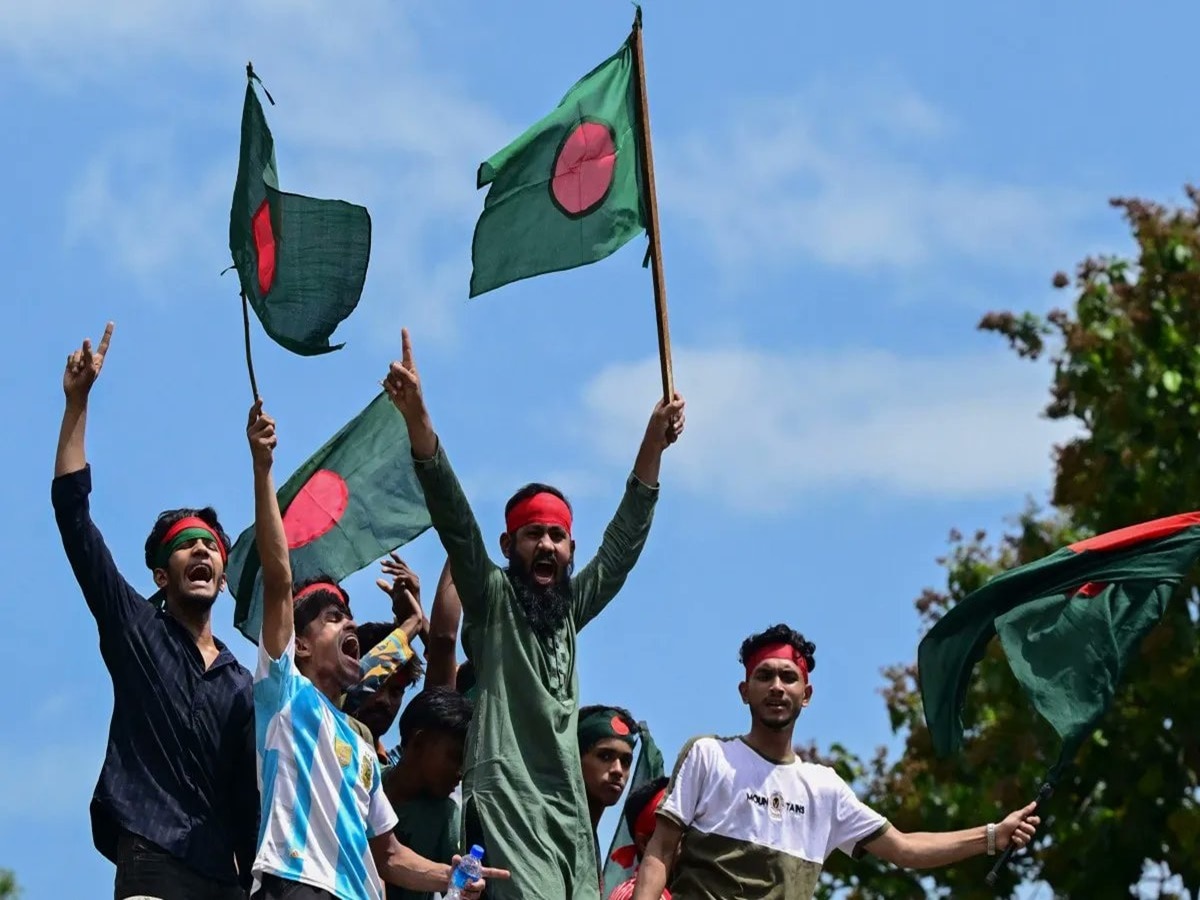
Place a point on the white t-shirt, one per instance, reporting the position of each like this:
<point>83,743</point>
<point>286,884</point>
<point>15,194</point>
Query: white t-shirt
<point>322,794</point>
<point>757,829</point>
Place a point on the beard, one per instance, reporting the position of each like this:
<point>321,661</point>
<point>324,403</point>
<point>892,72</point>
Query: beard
<point>545,606</point>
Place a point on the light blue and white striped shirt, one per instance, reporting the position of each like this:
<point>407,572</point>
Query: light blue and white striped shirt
<point>322,794</point>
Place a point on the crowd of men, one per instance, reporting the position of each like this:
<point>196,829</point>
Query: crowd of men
<point>219,783</point>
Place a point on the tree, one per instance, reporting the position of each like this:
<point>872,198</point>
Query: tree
<point>1126,367</point>
<point>8,885</point>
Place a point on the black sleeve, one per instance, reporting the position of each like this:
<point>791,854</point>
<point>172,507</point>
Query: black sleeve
<point>247,806</point>
<point>113,602</point>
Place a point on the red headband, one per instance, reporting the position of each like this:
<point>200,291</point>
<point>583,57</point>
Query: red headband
<point>544,509</point>
<point>643,827</point>
<point>193,522</point>
<point>320,586</point>
<point>776,651</point>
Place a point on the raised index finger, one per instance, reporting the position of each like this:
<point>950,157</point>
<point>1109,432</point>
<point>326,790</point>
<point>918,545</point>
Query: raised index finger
<point>406,348</point>
<point>105,338</point>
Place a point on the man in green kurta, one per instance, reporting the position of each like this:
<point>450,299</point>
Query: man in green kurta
<point>523,792</point>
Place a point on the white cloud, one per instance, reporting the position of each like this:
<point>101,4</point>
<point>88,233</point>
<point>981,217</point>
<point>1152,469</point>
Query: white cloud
<point>764,428</point>
<point>829,174</point>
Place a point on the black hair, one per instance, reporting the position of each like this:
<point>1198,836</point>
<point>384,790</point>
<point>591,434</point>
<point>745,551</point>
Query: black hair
<point>529,490</point>
<point>436,709</point>
<point>315,603</point>
<point>464,679</point>
<point>169,517</point>
<point>371,633</point>
<point>779,634</point>
<point>625,715</point>
<point>638,798</point>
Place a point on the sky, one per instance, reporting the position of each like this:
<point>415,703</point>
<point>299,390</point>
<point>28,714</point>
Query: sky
<point>845,189</point>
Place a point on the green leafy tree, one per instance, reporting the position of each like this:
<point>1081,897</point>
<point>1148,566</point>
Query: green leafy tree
<point>8,885</point>
<point>1126,367</point>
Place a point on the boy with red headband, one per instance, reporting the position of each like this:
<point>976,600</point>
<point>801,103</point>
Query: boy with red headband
<point>640,814</point>
<point>176,803</point>
<point>756,822</point>
<point>327,824</point>
<point>524,798</point>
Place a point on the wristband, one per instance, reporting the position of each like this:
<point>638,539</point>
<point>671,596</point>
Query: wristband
<point>991,839</point>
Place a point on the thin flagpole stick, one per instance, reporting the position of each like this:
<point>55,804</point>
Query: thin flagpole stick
<point>651,199</point>
<point>249,359</point>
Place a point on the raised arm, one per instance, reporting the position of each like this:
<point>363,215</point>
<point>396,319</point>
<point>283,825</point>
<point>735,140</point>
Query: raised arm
<point>931,849</point>
<point>599,581</point>
<point>269,536</point>
<point>441,647</point>
<point>448,507</point>
<point>658,860</point>
<point>83,368</point>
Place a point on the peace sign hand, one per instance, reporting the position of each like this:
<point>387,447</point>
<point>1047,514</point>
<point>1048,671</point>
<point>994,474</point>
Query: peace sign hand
<point>403,384</point>
<point>83,367</point>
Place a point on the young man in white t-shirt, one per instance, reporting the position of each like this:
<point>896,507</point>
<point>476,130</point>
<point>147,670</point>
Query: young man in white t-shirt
<point>756,823</point>
<point>326,827</point>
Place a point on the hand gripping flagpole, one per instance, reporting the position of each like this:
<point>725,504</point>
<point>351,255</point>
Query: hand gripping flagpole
<point>1045,792</point>
<point>654,252</point>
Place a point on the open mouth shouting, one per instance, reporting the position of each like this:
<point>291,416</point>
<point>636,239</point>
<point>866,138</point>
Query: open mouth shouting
<point>544,569</point>
<point>198,575</point>
<point>350,646</point>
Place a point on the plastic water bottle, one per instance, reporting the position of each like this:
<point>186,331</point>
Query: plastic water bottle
<point>469,869</point>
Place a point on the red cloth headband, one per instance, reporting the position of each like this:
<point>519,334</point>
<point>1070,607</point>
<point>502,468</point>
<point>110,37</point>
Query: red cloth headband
<point>776,651</point>
<point>543,508</point>
<point>321,586</point>
<point>193,522</point>
<point>643,827</point>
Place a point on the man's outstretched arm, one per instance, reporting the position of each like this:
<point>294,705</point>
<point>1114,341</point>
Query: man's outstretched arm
<point>405,868</point>
<point>626,534</point>
<point>931,849</point>
<point>448,507</point>
<point>269,537</point>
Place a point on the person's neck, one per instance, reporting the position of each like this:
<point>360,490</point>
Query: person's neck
<point>197,621</point>
<point>328,684</point>
<point>773,743</point>
<point>402,783</point>
<point>596,811</point>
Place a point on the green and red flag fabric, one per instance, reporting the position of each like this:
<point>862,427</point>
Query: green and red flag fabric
<point>354,500</point>
<point>621,861</point>
<point>568,191</point>
<point>301,261</point>
<point>1068,624</point>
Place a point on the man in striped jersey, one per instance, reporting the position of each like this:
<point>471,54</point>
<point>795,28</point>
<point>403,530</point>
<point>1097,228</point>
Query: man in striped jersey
<point>326,824</point>
<point>757,823</point>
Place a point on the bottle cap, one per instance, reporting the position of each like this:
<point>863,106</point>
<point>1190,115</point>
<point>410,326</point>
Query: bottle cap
<point>477,852</point>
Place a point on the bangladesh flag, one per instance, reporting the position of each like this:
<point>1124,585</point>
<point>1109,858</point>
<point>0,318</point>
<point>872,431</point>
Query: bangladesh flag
<point>1068,625</point>
<point>620,864</point>
<point>353,501</point>
<point>301,261</point>
<point>568,191</point>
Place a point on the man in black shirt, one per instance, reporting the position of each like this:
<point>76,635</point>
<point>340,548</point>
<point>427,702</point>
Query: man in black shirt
<point>176,806</point>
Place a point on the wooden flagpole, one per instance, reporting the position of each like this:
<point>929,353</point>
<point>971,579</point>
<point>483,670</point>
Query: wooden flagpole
<point>655,252</point>
<point>249,359</point>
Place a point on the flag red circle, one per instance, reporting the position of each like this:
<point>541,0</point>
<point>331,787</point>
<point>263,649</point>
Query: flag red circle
<point>583,169</point>
<point>316,508</point>
<point>619,726</point>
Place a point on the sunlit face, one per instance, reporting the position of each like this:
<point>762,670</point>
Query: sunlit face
<point>544,551</point>
<point>776,692</point>
<point>606,769</point>
<point>194,573</point>
<point>328,647</point>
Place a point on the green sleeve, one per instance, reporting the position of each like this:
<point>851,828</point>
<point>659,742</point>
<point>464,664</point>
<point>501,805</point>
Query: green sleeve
<point>624,538</point>
<point>459,532</point>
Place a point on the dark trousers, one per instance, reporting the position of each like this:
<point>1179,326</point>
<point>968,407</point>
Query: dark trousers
<point>146,870</point>
<point>275,888</point>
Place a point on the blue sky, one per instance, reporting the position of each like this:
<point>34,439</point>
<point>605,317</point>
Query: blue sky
<point>845,189</point>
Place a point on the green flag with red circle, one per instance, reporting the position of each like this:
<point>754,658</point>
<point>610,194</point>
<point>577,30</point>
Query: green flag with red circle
<point>568,191</point>
<point>301,261</point>
<point>354,500</point>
